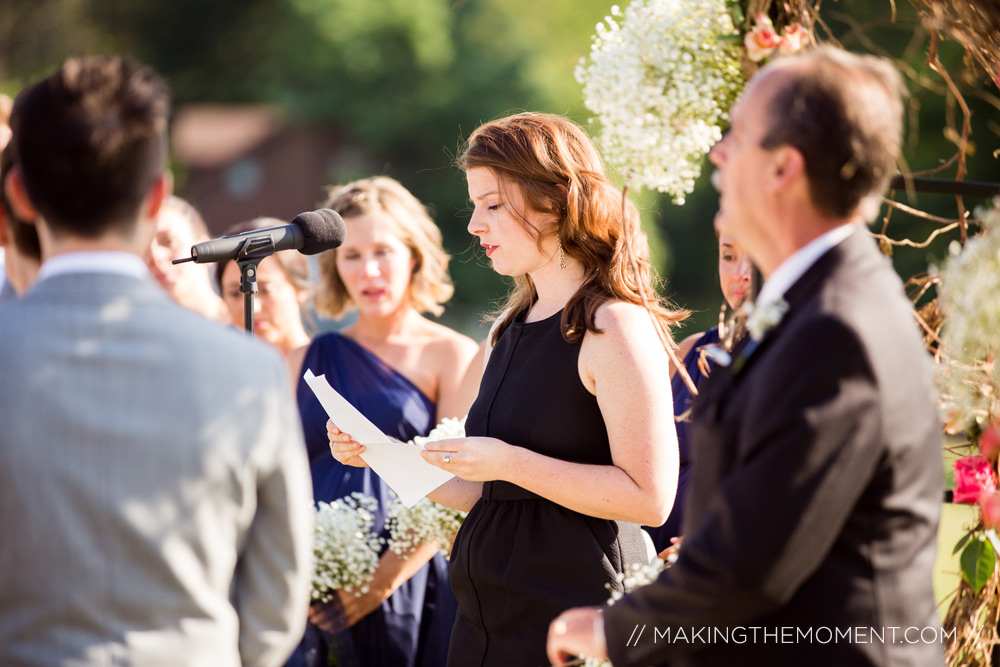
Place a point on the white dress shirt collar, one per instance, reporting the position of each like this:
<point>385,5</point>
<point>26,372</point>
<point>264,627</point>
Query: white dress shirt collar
<point>108,261</point>
<point>794,267</point>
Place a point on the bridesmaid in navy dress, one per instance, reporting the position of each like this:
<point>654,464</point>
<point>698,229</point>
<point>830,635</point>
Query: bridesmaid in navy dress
<point>402,371</point>
<point>734,278</point>
<point>572,444</point>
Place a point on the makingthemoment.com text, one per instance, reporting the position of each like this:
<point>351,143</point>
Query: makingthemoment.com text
<point>791,635</point>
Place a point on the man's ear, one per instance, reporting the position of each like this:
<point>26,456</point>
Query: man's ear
<point>787,166</point>
<point>158,194</point>
<point>17,195</point>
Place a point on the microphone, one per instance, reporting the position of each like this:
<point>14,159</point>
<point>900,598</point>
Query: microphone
<point>309,233</point>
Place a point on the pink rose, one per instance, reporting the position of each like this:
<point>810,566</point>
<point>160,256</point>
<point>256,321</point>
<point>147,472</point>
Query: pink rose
<point>973,477</point>
<point>989,509</point>
<point>794,39</point>
<point>762,40</point>
<point>989,442</point>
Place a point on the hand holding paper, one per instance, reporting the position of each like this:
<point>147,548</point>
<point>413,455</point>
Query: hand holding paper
<point>398,464</point>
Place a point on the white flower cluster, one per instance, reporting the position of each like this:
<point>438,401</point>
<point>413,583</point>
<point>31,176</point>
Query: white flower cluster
<point>761,318</point>
<point>969,379</point>
<point>660,80</point>
<point>345,549</point>
<point>448,428</point>
<point>638,575</point>
<point>427,521</point>
<point>424,523</point>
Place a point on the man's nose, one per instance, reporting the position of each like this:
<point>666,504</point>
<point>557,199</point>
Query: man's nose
<point>717,155</point>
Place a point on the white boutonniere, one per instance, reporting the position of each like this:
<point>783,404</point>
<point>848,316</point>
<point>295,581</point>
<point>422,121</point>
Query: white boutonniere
<point>756,320</point>
<point>761,318</point>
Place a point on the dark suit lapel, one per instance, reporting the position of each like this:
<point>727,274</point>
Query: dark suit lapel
<point>715,391</point>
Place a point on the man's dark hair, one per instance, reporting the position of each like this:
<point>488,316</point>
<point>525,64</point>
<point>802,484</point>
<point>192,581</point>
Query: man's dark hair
<point>844,114</point>
<point>91,141</point>
<point>24,232</point>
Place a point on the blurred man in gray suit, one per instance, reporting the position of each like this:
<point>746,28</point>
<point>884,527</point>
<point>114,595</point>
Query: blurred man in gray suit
<point>154,493</point>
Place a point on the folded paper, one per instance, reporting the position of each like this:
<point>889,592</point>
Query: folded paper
<point>399,464</point>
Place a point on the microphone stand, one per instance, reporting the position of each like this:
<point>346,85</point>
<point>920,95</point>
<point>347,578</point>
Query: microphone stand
<point>249,257</point>
<point>250,254</point>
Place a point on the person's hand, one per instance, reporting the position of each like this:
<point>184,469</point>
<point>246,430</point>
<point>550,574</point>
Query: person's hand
<point>345,610</point>
<point>358,606</point>
<point>472,459</point>
<point>670,553</point>
<point>576,633</point>
<point>344,448</point>
<point>328,616</point>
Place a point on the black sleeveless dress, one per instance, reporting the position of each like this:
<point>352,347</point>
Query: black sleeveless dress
<point>519,560</point>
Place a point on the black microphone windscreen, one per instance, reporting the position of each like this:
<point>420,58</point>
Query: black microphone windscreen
<point>322,230</point>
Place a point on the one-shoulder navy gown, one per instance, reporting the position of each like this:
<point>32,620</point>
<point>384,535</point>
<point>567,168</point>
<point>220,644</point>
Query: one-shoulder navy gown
<point>412,627</point>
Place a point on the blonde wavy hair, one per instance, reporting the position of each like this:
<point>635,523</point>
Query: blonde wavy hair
<point>559,172</point>
<point>430,284</point>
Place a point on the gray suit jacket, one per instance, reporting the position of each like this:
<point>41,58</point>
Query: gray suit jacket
<point>155,500</point>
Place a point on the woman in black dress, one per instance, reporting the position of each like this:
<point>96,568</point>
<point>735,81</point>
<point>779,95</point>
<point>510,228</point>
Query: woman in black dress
<point>571,440</point>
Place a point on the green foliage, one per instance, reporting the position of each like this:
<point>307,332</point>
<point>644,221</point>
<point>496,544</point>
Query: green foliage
<point>866,27</point>
<point>962,542</point>
<point>977,560</point>
<point>735,8</point>
<point>404,80</point>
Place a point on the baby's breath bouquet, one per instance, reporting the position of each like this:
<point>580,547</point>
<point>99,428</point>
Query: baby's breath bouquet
<point>660,78</point>
<point>448,428</point>
<point>637,576</point>
<point>345,548</point>
<point>969,382</point>
<point>427,521</point>
<point>970,285</point>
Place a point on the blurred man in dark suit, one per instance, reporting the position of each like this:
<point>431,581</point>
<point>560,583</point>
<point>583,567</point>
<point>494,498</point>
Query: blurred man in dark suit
<point>817,483</point>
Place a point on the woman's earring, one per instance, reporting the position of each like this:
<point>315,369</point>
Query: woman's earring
<point>562,257</point>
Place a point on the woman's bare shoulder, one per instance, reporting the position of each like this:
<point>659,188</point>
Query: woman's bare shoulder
<point>619,318</point>
<point>295,359</point>
<point>446,344</point>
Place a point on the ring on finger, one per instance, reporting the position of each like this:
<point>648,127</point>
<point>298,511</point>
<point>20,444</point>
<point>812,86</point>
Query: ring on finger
<point>447,458</point>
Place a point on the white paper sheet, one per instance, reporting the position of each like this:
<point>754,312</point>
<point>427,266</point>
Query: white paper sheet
<point>398,463</point>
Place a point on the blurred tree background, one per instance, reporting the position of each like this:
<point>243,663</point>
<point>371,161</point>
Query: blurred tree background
<point>407,80</point>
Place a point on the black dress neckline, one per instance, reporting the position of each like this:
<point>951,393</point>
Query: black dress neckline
<point>520,319</point>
